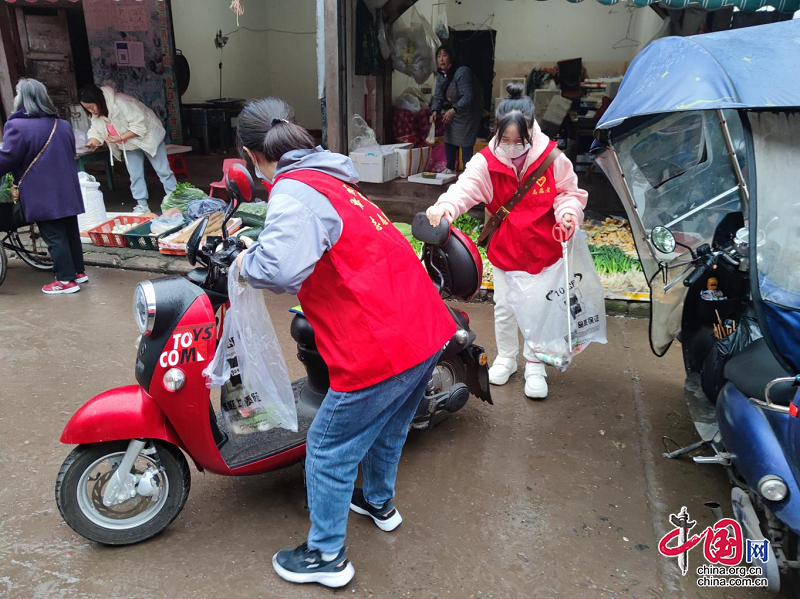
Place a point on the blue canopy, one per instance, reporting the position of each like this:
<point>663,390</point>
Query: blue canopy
<point>754,67</point>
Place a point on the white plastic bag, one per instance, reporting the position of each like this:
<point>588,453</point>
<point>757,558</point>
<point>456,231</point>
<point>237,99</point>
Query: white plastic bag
<point>257,393</point>
<point>540,306</point>
<point>363,135</point>
<point>93,205</point>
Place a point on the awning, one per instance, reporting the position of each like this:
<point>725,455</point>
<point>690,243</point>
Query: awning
<point>786,6</point>
<point>753,67</point>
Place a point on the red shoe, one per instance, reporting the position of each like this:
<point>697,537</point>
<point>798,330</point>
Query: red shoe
<point>81,277</point>
<point>61,287</point>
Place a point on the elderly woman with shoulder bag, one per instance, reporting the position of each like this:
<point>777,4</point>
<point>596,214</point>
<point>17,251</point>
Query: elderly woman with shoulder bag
<point>39,151</point>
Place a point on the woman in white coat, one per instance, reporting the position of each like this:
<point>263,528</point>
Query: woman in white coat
<point>132,132</point>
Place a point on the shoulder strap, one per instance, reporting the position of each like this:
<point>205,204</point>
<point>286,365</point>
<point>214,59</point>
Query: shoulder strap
<point>494,222</point>
<point>528,183</point>
<point>47,143</point>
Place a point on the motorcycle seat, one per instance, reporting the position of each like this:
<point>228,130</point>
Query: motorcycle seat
<point>753,368</point>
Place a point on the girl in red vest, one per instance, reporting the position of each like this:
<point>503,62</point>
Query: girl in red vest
<point>378,321</point>
<point>524,240</point>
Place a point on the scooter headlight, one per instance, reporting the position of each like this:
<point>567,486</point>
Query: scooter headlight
<point>144,307</point>
<point>773,488</point>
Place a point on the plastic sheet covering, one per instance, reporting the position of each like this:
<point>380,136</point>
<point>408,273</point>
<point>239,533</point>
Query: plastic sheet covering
<point>777,155</point>
<point>754,67</point>
<point>249,365</point>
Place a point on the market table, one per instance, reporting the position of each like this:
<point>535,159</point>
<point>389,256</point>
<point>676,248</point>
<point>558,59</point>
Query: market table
<point>86,156</point>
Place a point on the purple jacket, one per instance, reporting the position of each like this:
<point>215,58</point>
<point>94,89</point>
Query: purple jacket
<point>51,189</point>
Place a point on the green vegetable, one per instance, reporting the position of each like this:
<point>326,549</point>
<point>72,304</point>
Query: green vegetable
<point>252,215</point>
<point>610,259</point>
<point>5,188</point>
<point>180,198</point>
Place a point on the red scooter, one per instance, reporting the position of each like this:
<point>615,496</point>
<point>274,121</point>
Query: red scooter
<point>128,478</point>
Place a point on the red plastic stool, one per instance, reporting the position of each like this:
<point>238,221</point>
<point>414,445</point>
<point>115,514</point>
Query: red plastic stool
<point>178,164</point>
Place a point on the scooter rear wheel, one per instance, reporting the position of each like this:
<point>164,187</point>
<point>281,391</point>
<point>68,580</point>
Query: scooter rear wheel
<point>84,475</point>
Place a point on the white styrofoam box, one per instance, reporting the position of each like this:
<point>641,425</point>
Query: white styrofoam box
<point>378,164</point>
<point>411,161</point>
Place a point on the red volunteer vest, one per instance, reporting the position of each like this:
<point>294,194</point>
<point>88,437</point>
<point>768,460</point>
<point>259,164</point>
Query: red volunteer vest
<point>524,240</point>
<point>374,310</point>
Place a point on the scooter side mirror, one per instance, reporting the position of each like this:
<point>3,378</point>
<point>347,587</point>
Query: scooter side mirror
<point>194,241</point>
<point>239,184</point>
<point>422,229</point>
<point>663,240</point>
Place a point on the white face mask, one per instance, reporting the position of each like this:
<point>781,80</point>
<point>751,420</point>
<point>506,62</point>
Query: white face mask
<point>513,151</point>
<point>261,175</point>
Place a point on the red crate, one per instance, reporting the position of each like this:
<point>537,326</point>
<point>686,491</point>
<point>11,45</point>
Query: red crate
<point>102,235</point>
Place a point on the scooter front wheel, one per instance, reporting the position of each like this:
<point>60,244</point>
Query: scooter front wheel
<point>160,487</point>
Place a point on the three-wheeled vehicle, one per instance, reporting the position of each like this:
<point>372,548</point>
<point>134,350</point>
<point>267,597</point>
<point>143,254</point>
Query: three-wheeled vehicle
<point>701,144</point>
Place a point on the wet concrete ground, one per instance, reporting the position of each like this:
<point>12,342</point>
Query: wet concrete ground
<point>562,498</point>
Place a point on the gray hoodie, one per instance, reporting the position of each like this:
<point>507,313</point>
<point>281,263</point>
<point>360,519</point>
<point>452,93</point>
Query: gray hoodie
<point>301,224</point>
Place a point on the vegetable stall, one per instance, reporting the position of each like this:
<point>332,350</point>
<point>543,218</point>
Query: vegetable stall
<point>610,244</point>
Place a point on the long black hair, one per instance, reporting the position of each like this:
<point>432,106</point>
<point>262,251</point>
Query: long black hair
<point>91,94</point>
<point>268,126</point>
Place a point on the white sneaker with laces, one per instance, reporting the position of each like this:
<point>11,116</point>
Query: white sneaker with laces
<point>141,209</point>
<point>501,370</point>
<point>535,380</point>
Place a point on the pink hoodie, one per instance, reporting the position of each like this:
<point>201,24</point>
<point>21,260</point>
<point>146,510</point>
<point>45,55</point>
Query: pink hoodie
<point>474,185</point>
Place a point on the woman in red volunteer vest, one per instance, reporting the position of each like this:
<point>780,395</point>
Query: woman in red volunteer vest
<point>379,323</point>
<point>524,240</point>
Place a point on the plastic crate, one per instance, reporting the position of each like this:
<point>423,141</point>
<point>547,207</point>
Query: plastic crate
<point>101,234</point>
<point>140,238</point>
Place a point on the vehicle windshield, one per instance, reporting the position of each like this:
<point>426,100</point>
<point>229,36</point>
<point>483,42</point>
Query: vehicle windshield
<point>680,175</point>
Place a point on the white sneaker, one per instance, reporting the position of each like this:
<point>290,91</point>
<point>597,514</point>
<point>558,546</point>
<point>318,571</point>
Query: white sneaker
<point>448,171</point>
<point>141,209</point>
<point>501,370</point>
<point>535,380</point>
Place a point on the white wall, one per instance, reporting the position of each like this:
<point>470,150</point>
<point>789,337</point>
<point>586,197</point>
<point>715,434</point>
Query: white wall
<point>255,63</point>
<point>538,34</point>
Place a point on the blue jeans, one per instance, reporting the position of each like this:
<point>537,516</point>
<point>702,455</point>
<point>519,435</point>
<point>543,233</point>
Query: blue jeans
<point>368,426</point>
<point>160,166</point>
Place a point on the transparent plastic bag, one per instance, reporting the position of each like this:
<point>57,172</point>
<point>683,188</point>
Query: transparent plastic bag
<point>93,202</point>
<point>440,22</point>
<point>164,223</point>
<point>431,139</point>
<point>204,206</point>
<point>249,366</point>
<point>364,135</point>
<point>544,310</point>
<point>414,47</point>
<point>383,41</point>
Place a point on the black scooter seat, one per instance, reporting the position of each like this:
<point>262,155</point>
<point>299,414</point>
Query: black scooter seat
<point>753,368</point>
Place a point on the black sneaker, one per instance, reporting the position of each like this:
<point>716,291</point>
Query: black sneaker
<point>303,565</point>
<point>385,517</point>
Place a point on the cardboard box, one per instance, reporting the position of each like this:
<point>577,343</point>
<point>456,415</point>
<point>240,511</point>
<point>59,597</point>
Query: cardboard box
<point>411,161</point>
<point>378,164</point>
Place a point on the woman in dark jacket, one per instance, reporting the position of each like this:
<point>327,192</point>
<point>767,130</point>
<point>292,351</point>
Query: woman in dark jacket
<point>50,192</point>
<point>458,97</point>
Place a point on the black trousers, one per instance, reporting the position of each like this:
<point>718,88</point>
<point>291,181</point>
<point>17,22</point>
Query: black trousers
<point>63,239</point>
<point>451,151</point>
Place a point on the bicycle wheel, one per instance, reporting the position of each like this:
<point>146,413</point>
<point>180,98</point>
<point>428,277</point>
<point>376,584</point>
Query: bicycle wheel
<point>3,264</point>
<point>31,248</point>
